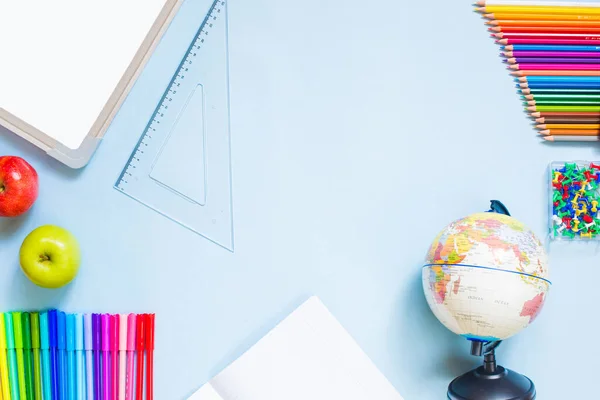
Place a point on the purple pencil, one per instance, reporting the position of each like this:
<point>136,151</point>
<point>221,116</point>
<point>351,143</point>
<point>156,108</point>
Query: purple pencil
<point>97,345</point>
<point>552,60</point>
<point>520,53</point>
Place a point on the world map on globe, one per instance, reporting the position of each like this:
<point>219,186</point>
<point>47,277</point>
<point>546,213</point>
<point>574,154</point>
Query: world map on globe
<point>486,276</point>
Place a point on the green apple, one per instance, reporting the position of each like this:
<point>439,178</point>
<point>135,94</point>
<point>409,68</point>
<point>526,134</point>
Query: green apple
<point>50,256</point>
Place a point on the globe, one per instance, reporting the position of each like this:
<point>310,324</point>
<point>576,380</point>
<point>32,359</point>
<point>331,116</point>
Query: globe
<point>486,276</point>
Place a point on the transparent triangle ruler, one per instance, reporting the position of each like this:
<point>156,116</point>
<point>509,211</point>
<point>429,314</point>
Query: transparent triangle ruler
<point>181,165</point>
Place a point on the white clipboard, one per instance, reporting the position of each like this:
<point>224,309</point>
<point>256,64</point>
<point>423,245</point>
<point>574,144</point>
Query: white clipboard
<point>67,66</point>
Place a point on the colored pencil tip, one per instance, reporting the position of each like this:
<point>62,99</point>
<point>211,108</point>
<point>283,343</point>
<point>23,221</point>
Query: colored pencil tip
<point>549,138</point>
<point>531,108</point>
<point>498,35</point>
<point>529,96</point>
<point>517,73</point>
<point>523,79</point>
<point>546,132</point>
<point>541,126</point>
<point>502,41</point>
<point>480,3</point>
<point>524,85</point>
<point>489,16</point>
<point>510,47</point>
<point>536,114</point>
<point>495,29</point>
<point>531,102</point>
<point>526,91</point>
<point>511,60</point>
<point>507,54</point>
<point>480,9</point>
<point>513,66</point>
<point>540,120</point>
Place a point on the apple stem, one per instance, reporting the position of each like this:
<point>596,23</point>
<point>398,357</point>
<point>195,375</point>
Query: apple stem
<point>2,187</point>
<point>44,257</point>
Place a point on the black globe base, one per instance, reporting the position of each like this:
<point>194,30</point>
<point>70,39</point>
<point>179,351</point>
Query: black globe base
<point>491,382</point>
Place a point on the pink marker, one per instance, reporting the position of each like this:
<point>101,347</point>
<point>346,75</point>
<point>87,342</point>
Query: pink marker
<point>129,382</point>
<point>105,318</point>
<point>122,354</point>
<point>114,357</point>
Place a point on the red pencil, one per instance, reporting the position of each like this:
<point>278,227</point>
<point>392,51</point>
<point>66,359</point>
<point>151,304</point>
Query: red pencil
<point>545,29</point>
<point>149,356</point>
<point>523,35</point>
<point>140,344</point>
<point>584,114</point>
<point>570,42</point>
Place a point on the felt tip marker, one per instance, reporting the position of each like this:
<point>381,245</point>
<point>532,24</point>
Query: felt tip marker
<point>131,335</point>
<point>53,342</point>
<point>27,355</point>
<point>79,365</point>
<point>105,357</point>
<point>149,356</point>
<point>12,357</point>
<point>3,361</point>
<point>89,363</point>
<point>62,354</point>
<point>140,347</point>
<point>97,347</point>
<point>114,356</point>
<point>18,332</point>
<point>71,372</point>
<point>35,350</point>
<point>45,353</point>
<point>122,355</point>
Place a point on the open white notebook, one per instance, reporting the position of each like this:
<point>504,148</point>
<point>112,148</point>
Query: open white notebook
<point>307,356</point>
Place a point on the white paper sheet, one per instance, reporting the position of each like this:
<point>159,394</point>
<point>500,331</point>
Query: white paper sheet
<point>61,60</point>
<point>307,356</point>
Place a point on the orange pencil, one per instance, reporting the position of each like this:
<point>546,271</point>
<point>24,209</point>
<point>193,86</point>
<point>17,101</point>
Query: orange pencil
<point>544,29</point>
<point>554,72</point>
<point>543,17</point>
<point>571,132</point>
<point>544,23</point>
<point>569,126</point>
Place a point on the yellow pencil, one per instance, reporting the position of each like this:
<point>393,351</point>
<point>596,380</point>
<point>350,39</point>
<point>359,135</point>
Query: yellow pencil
<point>540,10</point>
<point>3,363</point>
<point>568,126</point>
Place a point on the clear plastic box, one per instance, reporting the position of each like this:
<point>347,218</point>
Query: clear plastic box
<point>574,200</point>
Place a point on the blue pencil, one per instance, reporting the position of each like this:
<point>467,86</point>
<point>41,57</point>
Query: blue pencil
<point>549,47</point>
<point>561,85</point>
<point>53,333</point>
<point>542,78</point>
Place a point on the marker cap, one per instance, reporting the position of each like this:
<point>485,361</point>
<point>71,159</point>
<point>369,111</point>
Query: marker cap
<point>61,331</point>
<point>105,332</point>
<point>140,341</point>
<point>10,336</point>
<point>26,324</point>
<point>131,326</point>
<point>52,328</point>
<point>114,332</point>
<point>2,332</point>
<point>150,331</point>
<point>87,331</point>
<point>35,330</point>
<point>70,332</point>
<point>18,329</point>
<point>78,332</point>
<point>96,332</point>
<point>44,336</point>
<point>122,332</point>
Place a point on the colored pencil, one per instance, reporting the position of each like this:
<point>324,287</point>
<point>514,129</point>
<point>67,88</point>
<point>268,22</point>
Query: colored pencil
<point>483,3</point>
<point>569,138</point>
<point>568,126</point>
<point>519,54</point>
<point>564,42</point>
<point>559,85</point>
<point>586,79</point>
<point>553,60</point>
<point>559,91</point>
<point>564,108</point>
<point>3,361</point>
<point>566,97</point>
<point>542,23</point>
<point>551,72</point>
<point>524,35</point>
<point>566,120</point>
<point>584,114</point>
<point>540,10</point>
<point>557,67</point>
<point>544,29</point>
<point>543,17</point>
<point>562,102</point>
<point>549,47</point>
<point>571,132</point>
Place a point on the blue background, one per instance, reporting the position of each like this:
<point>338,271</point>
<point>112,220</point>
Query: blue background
<point>359,130</point>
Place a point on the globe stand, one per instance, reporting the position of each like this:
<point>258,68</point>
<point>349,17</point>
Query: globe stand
<point>490,381</point>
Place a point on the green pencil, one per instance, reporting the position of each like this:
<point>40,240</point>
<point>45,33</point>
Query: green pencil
<point>563,96</point>
<point>18,331</point>
<point>12,360</point>
<point>566,102</point>
<point>35,346</point>
<point>564,108</point>
<point>27,354</point>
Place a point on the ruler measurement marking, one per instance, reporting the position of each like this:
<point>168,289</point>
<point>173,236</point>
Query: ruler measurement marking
<point>171,89</point>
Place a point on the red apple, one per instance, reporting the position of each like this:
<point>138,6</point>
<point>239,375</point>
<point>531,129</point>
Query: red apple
<point>18,186</point>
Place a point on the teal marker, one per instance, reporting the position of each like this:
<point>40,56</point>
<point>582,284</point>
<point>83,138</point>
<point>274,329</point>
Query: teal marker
<point>12,356</point>
<point>44,348</point>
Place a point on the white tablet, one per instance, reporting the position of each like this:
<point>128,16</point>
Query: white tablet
<point>66,66</point>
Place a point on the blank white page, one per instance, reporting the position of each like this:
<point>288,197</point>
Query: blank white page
<point>62,59</point>
<point>307,356</point>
